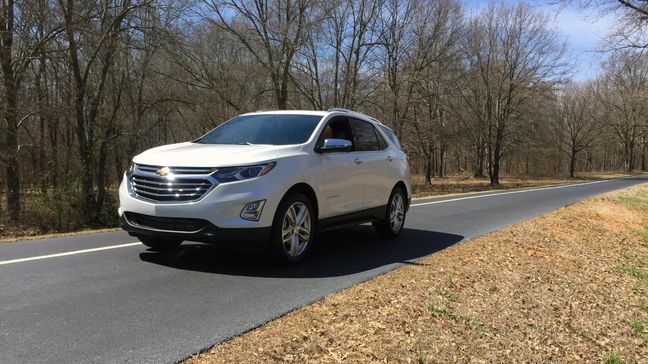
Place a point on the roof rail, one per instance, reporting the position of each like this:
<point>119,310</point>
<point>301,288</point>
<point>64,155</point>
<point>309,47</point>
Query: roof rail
<point>340,109</point>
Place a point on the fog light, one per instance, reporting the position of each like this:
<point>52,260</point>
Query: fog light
<point>252,211</point>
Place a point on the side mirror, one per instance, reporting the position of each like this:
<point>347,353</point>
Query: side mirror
<point>335,145</point>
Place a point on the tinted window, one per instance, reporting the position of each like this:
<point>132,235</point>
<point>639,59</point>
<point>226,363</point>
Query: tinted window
<point>382,144</point>
<point>390,134</point>
<point>364,135</point>
<point>275,129</point>
<point>337,128</point>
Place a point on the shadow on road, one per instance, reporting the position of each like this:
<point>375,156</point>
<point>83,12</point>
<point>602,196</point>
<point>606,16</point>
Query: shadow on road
<point>337,253</point>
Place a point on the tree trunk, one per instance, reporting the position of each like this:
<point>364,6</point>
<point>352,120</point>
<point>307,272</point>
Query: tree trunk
<point>643,156</point>
<point>496,159</point>
<point>12,164</point>
<point>442,160</point>
<point>11,88</point>
<point>479,166</point>
<point>428,168</point>
<point>572,162</point>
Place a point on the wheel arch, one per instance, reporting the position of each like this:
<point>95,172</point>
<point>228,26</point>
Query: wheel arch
<point>403,186</point>
<point>308,191</point>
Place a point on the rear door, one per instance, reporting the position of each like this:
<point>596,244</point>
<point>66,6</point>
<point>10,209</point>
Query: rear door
<point>372,155</point>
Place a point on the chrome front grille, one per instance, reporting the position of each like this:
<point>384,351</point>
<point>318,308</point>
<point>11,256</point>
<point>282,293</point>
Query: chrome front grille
<point>170,184</point>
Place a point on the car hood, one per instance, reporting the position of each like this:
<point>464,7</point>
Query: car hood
<point>213,155</point>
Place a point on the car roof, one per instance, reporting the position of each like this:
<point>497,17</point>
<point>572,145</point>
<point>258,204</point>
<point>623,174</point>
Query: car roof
<point>289,112</point>
<point>331,111</point>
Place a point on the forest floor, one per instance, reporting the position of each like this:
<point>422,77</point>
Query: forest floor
<point>41,217</point>
<point>568,286</point>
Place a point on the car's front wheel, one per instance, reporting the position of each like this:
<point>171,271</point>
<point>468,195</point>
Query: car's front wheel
<point>293,229</point>
<point>392,224</point>
<point>159,244</point>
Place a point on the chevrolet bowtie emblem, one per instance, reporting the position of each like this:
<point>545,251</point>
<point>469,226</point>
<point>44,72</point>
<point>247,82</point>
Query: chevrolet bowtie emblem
<point>163,171</point>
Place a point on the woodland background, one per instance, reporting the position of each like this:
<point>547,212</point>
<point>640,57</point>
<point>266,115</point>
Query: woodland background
<point>86,85</point>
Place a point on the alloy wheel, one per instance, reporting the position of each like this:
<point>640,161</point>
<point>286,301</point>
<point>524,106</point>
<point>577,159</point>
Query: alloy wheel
<point>396,212</point>
<point>296,229</point>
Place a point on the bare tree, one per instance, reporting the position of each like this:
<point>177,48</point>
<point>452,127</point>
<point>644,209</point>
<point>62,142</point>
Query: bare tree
<point>88,84</point>
<point>428,77</point>
<point>511,56</point>
<point>576,121</point>
<point>272,31</point>
<point>19,46</point>
<point>625,94</point>
<point>631,28</point>
<point>334,68</point>
<point>92,33</point>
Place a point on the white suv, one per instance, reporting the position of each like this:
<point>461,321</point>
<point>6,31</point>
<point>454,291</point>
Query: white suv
<point>272,179</point>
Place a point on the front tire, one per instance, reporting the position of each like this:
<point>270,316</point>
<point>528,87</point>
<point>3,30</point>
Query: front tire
<point>392,224</point>
<point>293,228</point>
<point>159,244</point>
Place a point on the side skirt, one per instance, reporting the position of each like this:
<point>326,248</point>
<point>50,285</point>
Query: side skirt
<point>354,218</point>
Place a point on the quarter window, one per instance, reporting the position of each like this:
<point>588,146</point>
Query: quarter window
<point>390,134</point>
<point>382,144</point>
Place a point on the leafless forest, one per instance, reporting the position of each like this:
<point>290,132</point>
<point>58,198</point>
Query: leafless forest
<point>88,84</point>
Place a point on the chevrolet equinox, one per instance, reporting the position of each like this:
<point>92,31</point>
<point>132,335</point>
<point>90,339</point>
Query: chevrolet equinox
<point>271,180</point>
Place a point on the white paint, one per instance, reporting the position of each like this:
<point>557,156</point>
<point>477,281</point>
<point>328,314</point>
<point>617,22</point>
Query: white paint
<point>75,252</point>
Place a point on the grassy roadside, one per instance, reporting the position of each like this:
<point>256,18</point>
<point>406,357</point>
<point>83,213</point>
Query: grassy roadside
<point>16,238</point>
<point>569,286</point>
<point>10,233</point>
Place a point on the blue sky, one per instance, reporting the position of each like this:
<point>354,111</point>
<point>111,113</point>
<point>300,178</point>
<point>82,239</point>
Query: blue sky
<point>583,29</point>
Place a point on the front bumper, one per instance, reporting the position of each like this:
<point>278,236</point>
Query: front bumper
<point>221,206</point>
<point>204,231</point>
<point>219,209</point>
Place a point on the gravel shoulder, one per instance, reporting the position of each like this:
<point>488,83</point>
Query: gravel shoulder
<point>570,285</point>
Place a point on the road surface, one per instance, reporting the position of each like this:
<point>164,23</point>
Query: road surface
<point>104,298</point>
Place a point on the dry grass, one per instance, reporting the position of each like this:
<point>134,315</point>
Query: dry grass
<point>31,234</point>
<point>569,286</point>
<point>467,183</point>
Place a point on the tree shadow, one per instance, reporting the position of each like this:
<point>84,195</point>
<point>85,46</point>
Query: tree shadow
<point>337,253</point>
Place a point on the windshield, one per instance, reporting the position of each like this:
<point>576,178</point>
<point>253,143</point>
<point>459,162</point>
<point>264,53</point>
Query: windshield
<point>275,129</point>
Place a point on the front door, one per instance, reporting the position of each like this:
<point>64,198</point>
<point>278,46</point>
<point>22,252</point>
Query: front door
<point>342,179</point>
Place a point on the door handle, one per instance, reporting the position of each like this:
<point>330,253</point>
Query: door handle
<point>357,161</point>
<point>390,158</point>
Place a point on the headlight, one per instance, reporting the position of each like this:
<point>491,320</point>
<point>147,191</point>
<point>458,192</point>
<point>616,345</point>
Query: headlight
<point>231,174</point>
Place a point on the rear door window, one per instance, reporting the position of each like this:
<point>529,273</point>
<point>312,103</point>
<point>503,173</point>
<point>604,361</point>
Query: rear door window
<point>364,135</point>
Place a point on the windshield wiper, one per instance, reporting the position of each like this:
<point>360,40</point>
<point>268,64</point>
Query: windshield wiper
<point>245,143</point>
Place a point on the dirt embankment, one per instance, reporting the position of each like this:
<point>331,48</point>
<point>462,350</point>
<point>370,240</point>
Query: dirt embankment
<point>569,286</point>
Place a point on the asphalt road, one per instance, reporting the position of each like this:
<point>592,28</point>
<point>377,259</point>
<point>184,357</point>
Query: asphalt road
<point>104,298</point>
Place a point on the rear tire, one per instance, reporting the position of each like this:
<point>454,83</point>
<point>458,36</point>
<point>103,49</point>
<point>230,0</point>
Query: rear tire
<point>392,224</point>
<point>159,244</point>
<point>293,228</point>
